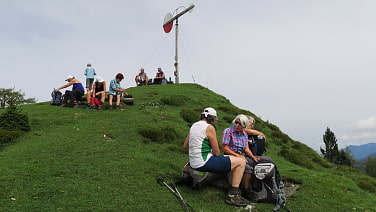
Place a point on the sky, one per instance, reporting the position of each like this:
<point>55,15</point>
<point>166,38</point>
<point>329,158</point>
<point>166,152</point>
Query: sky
<point>301,65</point>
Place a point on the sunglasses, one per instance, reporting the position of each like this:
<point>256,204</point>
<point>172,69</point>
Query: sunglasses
<point>237,122</point>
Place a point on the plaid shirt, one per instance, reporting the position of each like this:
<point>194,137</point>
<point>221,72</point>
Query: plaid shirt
<point>236,142</point>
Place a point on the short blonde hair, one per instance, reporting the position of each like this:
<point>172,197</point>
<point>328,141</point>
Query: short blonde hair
<point>243,120</point>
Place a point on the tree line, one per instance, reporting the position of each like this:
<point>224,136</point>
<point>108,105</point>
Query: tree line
<point>10,97</point>
<point>344,157</point>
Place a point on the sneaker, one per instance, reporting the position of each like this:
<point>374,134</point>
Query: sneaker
<point>76,105</point>
<point>236,200</point>
<point>100,107</point>
<point>111,108</point>
<point>63,105</point>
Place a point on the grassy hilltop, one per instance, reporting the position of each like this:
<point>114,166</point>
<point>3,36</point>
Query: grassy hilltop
<point>90,160</point>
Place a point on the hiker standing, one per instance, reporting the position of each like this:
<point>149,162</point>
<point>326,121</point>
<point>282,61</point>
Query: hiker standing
<point>89,73</point>
<point>204,155</point>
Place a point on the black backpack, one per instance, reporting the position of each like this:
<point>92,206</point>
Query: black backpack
<point>56,98</point>
<point>257,144</point>
<point>270,185</point>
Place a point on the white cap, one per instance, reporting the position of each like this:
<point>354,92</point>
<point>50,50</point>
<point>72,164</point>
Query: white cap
<point>209,111</point>
<point>69,77</point>
<point>99,79</point>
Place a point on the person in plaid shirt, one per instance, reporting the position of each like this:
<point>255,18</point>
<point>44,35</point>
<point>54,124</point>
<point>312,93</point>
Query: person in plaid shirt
<point>235,143</point>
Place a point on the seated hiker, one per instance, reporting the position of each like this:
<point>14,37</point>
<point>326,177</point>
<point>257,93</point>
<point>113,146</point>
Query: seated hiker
<point>115,90</point>
<point>204,155</point>
<point>141,78</point>
<point>256,139</point>
<point>73,95</point>
<point>159,77</point>
<point>98,93</point>
<point>235,143</point>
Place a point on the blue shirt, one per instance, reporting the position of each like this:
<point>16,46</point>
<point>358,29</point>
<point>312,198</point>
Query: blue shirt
<point>90,72</point>
<point>114,85</point>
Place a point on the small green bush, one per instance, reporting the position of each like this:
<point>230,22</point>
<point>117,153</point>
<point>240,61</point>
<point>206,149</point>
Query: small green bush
<point>229,109</point>
<point>367,185</point>
<point>296,157</point>
<point>12,119</point>
<point>159,135</point>
<point>228,119</point>
<point>173,100</point>
<point>189,115</point>
<point>7,136</point>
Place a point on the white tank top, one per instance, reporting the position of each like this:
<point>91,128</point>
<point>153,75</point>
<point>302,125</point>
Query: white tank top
<point>199,145</point>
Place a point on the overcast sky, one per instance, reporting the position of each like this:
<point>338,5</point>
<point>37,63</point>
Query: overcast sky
<point>302,65</point>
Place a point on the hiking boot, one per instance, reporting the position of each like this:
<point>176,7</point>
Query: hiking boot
<point>235,199</point>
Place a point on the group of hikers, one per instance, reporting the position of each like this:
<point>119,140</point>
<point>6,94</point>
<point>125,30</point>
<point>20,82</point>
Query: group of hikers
<point>239,156</point>
<point>96,88</point>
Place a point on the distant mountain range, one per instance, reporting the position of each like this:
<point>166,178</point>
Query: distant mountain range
<point>363,151</point>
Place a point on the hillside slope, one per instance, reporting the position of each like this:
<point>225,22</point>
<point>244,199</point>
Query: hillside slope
<point>89,160</point>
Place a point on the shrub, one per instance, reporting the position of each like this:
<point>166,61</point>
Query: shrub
<point>13,120</point>
<point>189,115</point>
<point>296,157</point>
<point>367,185</point>
<point>7,136</point>
<point>173,100</point>
<point>229,109</point>
<point>159,135</point>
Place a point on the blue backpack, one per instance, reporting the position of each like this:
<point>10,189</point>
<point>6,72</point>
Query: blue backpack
<point>56,98</point>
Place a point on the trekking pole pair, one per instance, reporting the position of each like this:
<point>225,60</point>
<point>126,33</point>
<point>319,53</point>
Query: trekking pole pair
<point>173,188</point>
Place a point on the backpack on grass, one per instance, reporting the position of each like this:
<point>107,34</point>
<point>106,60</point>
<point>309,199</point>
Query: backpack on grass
<point>56,98</point>
<point>270,185</point>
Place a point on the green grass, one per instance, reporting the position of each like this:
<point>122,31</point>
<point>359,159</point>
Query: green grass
<point>65,163</point>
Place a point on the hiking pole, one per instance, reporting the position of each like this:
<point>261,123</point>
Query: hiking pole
<point>186,204</point>
<point>175,191</point>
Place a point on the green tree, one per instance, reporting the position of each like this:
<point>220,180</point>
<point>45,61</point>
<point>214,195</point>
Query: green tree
<point>345,158</point>
<point>10,97</point>
<point>371,166</point>
<point>331,147</point>
<point>331,152</point>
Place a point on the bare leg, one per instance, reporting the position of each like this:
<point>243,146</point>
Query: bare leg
<point>110,99</point>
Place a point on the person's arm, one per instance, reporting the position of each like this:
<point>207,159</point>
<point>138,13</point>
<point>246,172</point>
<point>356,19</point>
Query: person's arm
<point>250,154</point>
<point>254,132</point>
<point>114,87</point>
<point>186,143</point>
<point>64,86</point>
<point>210,133</point>
<point>104,87</point>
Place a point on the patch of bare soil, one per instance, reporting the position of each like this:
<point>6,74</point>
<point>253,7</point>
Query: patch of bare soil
<point>290,188</point>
